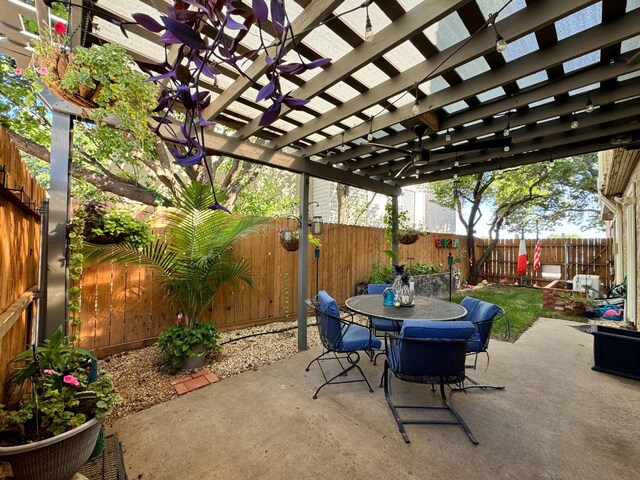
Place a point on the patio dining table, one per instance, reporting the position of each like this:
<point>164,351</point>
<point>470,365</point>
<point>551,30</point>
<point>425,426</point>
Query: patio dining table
<point>424,308</point>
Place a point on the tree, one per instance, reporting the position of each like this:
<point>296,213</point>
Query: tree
<point>548,193</point>
<point>126,164</point>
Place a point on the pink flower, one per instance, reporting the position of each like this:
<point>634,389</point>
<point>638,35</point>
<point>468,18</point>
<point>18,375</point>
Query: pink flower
<point>71,380</point>
<point>504,281</point>
<point>17,71</point>
<point>60,28</point>
<point>48,371</point>
<point>43,71</point>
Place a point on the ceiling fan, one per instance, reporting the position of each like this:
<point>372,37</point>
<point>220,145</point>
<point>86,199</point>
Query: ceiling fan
<point>420,156</point>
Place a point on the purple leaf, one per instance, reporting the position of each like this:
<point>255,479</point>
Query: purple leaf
<point>204,122</point>
<point>292,68</point>
<point>269,60</point>
<point>184,95</point>
<point>266,91</point>
<point>197,5</point>
<point>260,10</point>
<point>318,63</point>
<point>271,114</point>
<point>155,78</point>
<point>294,103</point>
<point>169,38</point>
<point>186,16</point>
<point>148,22</point>
<point>277,12</point>
<point>192,160</point>
<point>231,24</point>
<point>217,206</point>
<point>184,33</point>
<point>207,68</point>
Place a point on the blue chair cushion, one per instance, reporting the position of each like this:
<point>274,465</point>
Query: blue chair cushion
<point>357,337</point>
<point>383,325</point>
<point>457,330</point>
<point>478,310</point>
<point>329,317</point>
<point>377,288</point>
<point>328,304</point>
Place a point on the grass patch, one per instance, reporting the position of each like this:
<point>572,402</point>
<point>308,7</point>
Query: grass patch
<point>522,305</point>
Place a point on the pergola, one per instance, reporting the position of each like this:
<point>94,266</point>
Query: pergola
<point>566,84</point>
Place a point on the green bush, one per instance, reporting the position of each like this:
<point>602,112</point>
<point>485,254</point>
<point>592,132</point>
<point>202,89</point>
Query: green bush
<point>423,269</point>
<point>178,341</point>
<point>381,273</point>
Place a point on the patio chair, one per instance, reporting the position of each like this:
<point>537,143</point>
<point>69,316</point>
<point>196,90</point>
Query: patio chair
<point>380,326</point>
<point>428,352</point>
<point>340,335</point>
<point>482,315</point>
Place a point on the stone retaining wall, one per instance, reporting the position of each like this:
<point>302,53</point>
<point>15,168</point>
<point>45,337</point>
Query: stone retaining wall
<point>433,285</point>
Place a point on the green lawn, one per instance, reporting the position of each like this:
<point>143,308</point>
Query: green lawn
<point>522,305</point>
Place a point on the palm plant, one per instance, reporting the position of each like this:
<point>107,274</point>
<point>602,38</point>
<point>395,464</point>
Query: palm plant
<point>194,260</point>
<point>195,257</point>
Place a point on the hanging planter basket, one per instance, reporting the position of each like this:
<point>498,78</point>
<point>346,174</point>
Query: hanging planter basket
<point>289,245</point>
<point>57,64</point>
<point>408,238</point>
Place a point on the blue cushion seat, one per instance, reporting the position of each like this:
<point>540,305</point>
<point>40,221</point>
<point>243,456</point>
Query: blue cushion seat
<point>357,337</point>
<point>383,325</point>
<point>377,288</point>
<point>419,329</point>
<point>479,311</point>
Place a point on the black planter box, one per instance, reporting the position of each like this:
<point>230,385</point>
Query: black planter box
<point>616,351</point>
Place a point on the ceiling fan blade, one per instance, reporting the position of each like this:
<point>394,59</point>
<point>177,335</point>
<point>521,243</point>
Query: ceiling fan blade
<point>479,145</point>
<point>389,147</point>
<point>403,169</point>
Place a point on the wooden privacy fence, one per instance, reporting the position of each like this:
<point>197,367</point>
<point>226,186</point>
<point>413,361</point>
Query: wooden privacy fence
<point>19,251</point>
<point>592,256</point>
<point>123,308</point>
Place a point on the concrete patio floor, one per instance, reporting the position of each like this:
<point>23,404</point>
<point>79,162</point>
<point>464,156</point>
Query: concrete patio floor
<point>557,419</point>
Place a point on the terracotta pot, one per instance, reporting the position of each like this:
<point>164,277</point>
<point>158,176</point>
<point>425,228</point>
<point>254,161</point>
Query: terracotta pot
<point>56,458</point>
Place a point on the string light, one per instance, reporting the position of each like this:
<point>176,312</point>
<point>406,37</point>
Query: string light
<point>501,43</point>
<point>589,107</point>
<point>574,121</point>
<point>342,145</point>
<point>447,137</point>
<point>368,28</point>
<point>507,148</point>
<point>506,131</point>
<point>370,134</point>
<point>416,106</point>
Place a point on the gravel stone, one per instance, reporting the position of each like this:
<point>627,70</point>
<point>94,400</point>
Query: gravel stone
<point>142,382</point>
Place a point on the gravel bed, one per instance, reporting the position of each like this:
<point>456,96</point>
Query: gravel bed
<point>141,381</point>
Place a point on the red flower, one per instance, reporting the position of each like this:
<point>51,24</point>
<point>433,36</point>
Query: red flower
<point>60,28</point>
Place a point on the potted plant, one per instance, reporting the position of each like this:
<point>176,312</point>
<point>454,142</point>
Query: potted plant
<point>193,260</point>
<point>104,226</point>
<point>290,239</point>
<point>51,430</point>
<point>99,76</point>
<point>407,236</point>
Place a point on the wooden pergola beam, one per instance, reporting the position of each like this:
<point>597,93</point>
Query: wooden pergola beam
<point>544,90</point>
<point>520,136</point>
<point>521,23</point>
<point>401,29</point>
<point>218,144</point>
<point>311,16</point>
<point>572,47</point>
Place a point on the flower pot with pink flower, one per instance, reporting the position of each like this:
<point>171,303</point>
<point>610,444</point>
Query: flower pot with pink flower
<point>52,428</point>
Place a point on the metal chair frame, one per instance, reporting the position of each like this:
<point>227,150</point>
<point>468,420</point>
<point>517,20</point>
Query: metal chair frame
<point>485,343</point>
<point>456,378</point>
<point>333,348</point>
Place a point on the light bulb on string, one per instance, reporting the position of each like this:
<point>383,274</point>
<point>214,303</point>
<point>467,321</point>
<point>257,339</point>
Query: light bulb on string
<point>368,28</point>
<point>416,105</point>
<point>589,107</point>
<point>447,137</point>
<point>507,129</point>
<point>507,148</point>
<point>574,121</point>
<point>501,44</point>
<point>370,134</point>
<point>342,145</point>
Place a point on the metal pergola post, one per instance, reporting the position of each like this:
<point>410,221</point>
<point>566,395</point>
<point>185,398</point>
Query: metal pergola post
<point>303,262</point>
<point>58,278</point>
<point>394,225</point>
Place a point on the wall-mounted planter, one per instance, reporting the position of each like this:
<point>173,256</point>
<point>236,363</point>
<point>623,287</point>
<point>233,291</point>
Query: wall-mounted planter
<point>616,351</point>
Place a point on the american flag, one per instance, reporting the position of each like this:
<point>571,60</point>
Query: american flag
<point>536,255</point>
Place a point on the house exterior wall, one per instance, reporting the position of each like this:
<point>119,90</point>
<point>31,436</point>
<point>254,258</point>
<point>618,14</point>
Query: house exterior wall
<point>418,202</point>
